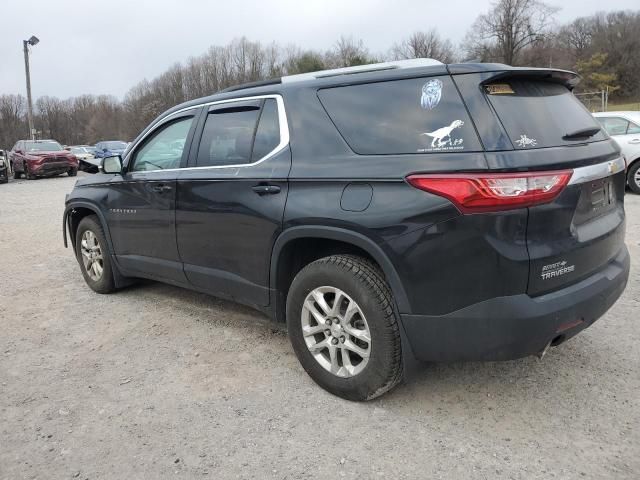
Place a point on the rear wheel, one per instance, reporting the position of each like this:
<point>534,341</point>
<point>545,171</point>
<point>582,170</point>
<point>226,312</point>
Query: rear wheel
<point>16,175</point>
<point>343,327</point>
<point>93,255</point>
<point>633,177</point>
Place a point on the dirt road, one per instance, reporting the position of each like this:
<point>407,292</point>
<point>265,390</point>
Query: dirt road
<point>159,382</point>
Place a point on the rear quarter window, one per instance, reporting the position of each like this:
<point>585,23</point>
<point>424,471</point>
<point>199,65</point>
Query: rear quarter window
<point>538,114</point>
<point>418,115</point>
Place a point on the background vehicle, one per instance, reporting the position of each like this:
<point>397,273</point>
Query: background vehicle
<point>87,161</point>
<point>4,167</point>
<point>41,158</point>
<point>624,127</point>
<point>109,148</point>
<point>358,222</point>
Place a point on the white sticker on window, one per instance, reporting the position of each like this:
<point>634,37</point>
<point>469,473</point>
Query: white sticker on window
<point>525,141</point>
<point>443,139</point>
<point>431,94</point>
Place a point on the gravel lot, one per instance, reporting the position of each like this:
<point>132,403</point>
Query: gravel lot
<point>156,382</point>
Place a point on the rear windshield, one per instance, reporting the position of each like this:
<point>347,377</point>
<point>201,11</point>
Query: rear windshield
<point>539,114</point>
<point>417,115</point>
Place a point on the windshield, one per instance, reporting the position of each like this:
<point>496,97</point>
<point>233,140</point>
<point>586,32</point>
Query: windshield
<point>43,146</point>
<point>114,145</point>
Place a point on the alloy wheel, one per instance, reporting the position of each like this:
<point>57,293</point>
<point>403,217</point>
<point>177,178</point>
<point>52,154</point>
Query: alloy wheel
<point>92,255</point>
<point>335,331</point>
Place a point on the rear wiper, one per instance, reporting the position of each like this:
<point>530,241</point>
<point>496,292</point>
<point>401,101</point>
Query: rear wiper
<point>580,134</point>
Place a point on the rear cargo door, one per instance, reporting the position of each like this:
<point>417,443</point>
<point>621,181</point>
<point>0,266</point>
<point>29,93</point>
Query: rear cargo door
<point>550,130</point>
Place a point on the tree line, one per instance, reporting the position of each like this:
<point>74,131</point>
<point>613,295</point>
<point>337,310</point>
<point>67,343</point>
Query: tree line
<point>603,48</point>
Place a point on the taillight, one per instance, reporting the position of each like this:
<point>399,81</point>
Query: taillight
<point>490,192</point>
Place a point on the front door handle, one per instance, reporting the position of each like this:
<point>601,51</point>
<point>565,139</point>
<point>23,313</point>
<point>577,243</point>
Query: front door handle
<point>161,188</point>
<point>266,189</point>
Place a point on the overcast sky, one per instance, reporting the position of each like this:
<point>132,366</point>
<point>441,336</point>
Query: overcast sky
<point>105,47</point>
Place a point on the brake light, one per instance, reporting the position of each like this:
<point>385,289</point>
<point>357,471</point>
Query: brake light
<point>490,192</point>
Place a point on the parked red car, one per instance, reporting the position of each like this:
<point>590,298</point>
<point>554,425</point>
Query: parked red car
<point>41,158</point>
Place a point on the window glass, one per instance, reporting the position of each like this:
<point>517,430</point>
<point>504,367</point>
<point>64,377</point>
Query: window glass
<point>633,128</point>
<point>163,150</point>
<point>43,146</point>
<point>614,125</point>
<point>227,137</point>
<point>268,132</point>
<point>418,115</point>
<point>539,114</point>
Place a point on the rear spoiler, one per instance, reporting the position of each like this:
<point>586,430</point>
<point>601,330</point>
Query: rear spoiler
<point>565,77</point>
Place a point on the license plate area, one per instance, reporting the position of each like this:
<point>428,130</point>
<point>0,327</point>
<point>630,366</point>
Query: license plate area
<point>597,198</point>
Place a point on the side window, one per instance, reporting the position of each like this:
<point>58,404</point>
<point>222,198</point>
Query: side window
<point>614,125</point>
<point>163,149</point>
<point>16,146</point>
<point>227,137</point>
<point>268,132</point>
<point>633,128</point>
<point>417,115</point>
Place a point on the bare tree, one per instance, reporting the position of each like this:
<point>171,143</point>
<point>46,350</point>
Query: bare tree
<point>508,28</point>
<point>427,44</point>
<point>348,52</point>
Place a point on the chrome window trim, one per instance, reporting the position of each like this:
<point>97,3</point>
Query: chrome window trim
<point>282,122</point>
<point>597,171</point>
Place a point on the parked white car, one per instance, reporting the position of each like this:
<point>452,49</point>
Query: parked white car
<point>624,128</point>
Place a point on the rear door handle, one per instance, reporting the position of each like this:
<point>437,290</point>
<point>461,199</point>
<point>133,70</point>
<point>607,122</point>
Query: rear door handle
<point>266,189</point>
<point>161,188</point>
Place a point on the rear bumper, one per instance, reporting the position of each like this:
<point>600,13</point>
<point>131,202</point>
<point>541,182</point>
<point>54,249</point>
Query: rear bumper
<point>506,328</point>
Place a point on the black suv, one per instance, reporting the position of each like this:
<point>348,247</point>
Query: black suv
<point>387,212</point>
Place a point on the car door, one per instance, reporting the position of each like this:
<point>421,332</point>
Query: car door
<point>16,157</point>
<point>231,201</point>
<point>141,201</point>
<point>625,133</point>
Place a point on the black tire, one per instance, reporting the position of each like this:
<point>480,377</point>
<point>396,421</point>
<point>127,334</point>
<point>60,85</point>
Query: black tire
<point>632,175</point>
<point>27,174</point>
<point>106,283</point>
<point>72,172</point>
<point>16,175</point>
<point>365,284</point>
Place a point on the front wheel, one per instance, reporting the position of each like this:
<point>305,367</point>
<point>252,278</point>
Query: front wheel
<point>27,174</point>
<point>343,327</point>
<point>72,172</point>
<point>633,177</point>
<point>93,256</point>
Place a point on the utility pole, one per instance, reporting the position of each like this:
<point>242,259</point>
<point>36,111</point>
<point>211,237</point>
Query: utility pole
<point>25,44</point>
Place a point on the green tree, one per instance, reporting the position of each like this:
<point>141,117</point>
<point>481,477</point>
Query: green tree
<point>595,75</point>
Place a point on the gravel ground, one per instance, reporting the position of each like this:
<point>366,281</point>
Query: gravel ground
<point>155,382</point>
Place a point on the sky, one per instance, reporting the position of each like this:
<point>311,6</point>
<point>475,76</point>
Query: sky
<point>106,47</point>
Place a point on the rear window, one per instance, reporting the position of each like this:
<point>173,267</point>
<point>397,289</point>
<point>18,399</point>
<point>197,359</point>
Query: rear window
<point>538,114</point>
<point>417,115</point>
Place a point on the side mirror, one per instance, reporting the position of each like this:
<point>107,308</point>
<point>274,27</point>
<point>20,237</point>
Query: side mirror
<point>111,164</point>
<point>19,152</point>
<point>105,150</point>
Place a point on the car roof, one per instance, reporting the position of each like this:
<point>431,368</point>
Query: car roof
<point>623,113</point>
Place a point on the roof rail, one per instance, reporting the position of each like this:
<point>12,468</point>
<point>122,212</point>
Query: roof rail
<point>372,67</point>
<point>259,83</point>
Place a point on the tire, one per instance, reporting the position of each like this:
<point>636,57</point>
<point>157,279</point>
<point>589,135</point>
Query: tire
<point>633,177</point>
<point>16,175</point>
<point>27,174</point>
<point>104,281</point>
<point>361,282</point>
<point>72,172</point>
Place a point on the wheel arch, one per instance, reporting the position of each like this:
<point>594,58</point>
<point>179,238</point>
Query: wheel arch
<point>333,240</point>
<point>74,213</point>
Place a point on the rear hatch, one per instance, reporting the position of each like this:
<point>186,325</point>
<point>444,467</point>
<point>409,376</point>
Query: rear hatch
<point>530,121</point>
